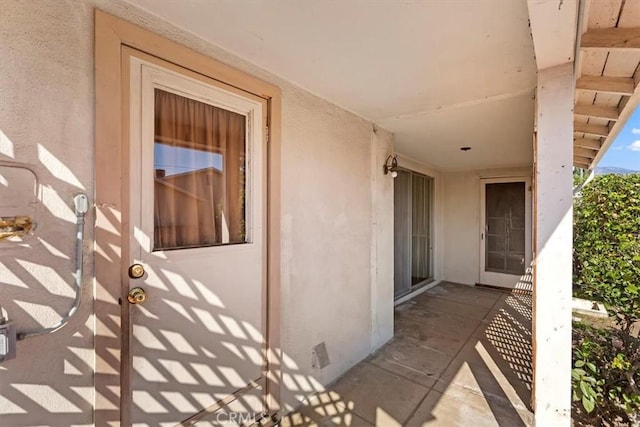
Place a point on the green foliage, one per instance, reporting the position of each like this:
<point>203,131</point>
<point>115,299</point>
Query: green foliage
<point>585,380</point>
<point>607,245</point>
<point>606,374</point>
<point>606,362</point>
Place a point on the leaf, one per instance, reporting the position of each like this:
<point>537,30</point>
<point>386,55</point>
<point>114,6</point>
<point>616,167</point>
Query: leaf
<point>628,408</point>
<point>586,389</point>
<point>588,404</point>
<point>576,373</point>
<point>579,363</point>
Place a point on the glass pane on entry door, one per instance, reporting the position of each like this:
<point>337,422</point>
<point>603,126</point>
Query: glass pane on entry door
<point>199,168</point>
<point>505,228</point>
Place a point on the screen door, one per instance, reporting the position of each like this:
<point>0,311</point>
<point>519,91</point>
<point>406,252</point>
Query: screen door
<point>505,244</point>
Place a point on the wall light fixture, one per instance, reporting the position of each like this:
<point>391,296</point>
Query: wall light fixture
<point>391,166</point>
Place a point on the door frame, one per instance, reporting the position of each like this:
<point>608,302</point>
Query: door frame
<point>112,38</point>
<point>432,233</point>
<point>502,279</point>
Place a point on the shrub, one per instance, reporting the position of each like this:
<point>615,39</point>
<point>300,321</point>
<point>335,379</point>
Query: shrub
<point>607,245</point>
<point>606,376</point>
<point>606,362</point>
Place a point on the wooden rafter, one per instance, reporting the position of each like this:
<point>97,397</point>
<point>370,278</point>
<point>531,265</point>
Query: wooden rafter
<point>597,111</point>
<point>581,165</point>
<point>582,159</point>
<point>591,129</point>
<point>608,76</point>
<point>592,144</point>
<point>584,152</point>
<point>611,38</point>
<point>615,85</point>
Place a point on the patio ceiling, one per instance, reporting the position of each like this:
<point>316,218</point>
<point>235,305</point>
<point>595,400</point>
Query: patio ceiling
<point>440,74</point>
<point>608,76</point>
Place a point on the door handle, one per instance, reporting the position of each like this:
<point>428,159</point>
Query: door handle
<point>136,271</point>
<point>136,296</point>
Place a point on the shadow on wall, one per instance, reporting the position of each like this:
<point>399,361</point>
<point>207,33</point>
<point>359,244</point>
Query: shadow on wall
<point>188,350</point>
<point>193,361</point>
<point>51,379</point>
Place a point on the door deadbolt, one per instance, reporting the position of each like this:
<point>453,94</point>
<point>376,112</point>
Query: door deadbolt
<point>136,296</point>
<point>136,271</point>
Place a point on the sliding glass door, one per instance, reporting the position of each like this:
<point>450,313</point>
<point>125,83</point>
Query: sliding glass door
<point>413,225</point>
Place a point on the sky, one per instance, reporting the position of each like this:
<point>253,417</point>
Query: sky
<point>175,160</point>
<point>625,150</point>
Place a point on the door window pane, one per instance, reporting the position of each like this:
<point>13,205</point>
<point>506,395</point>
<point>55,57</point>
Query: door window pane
<point>505,228</point>
<point>199,165</point>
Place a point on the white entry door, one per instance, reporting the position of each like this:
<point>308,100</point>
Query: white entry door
<point>505,235</point>
<point>197,241</point>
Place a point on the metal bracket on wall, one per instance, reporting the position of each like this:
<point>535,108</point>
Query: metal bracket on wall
<point>81,205</point>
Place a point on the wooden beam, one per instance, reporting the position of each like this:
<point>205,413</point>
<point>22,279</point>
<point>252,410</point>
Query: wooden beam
<point>584,152</point>
<point>588,128</point>
<point>611,38</point>
<point>582,159</point>
<point>617,85</point>
<point>592,144</point>
<point>598,111</point>
<point>581,165</point>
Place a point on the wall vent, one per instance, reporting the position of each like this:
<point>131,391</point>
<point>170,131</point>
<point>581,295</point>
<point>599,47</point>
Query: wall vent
<point>320,356</point>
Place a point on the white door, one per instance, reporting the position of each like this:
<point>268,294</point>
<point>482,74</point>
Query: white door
<point>197,227</point>
<point>505,235</point>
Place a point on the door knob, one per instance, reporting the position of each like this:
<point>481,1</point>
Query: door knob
<point>136,271</point>
<point>136,296</point>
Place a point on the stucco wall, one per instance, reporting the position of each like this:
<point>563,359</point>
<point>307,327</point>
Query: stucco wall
<point>337,282</point>
<point>461,204</point>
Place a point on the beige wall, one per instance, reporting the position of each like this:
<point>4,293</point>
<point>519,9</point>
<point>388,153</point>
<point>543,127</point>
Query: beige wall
<point>337,263</point>
<point>461,204</point>
<point>382,241</point>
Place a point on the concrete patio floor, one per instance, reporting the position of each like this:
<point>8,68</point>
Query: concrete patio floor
<point>461,356</point>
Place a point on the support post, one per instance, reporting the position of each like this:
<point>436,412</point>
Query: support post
<point>553,240</point>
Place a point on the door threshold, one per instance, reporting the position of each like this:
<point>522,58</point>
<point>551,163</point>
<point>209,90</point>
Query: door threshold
<point>416,290</point>
<point>504,289</point>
